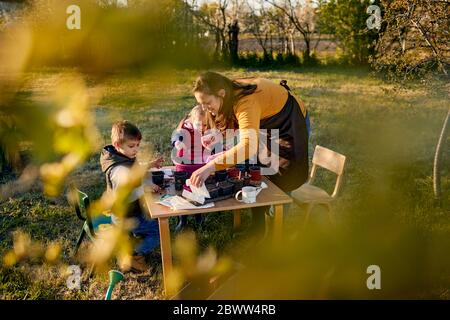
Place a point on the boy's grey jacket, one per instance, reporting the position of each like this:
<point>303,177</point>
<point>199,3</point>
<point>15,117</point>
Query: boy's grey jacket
<point>110,158</point>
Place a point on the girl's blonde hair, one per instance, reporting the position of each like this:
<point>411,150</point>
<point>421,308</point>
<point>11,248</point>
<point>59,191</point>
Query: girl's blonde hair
<point>197,112</point>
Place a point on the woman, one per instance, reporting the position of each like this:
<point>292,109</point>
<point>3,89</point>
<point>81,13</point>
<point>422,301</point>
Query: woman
<point>251,104</point>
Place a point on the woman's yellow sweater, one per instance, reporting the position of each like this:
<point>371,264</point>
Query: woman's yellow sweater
<point>268,99</point>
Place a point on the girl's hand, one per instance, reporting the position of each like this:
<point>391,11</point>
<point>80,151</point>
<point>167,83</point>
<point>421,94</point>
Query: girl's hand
<point>199,176</point>
<point>208,140</point>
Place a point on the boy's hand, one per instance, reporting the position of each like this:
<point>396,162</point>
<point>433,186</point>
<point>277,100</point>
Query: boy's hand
<point>156,163</point>
<point>153,188</point>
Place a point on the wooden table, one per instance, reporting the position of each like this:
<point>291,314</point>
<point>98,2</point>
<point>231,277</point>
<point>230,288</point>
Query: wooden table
<point>269,196</point>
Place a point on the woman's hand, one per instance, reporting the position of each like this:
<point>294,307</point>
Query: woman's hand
<point>199,176</point>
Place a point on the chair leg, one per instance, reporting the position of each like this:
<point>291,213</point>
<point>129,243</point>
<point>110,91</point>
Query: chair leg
<point>79,241</point>
<point>308,207</point>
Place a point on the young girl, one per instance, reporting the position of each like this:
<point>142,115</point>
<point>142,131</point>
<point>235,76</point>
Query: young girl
<point>195,124</point>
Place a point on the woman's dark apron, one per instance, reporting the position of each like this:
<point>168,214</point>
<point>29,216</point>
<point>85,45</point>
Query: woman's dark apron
<point>293,148</point>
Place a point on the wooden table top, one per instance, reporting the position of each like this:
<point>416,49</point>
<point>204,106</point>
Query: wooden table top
<point>268,196</point>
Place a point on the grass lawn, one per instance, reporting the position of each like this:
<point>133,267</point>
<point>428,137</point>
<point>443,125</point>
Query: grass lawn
<point>388,134</point>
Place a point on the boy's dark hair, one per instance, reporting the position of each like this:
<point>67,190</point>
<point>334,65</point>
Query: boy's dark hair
<point>124,130</point>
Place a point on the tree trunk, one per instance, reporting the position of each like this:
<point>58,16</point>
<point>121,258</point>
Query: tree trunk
<point>2,160</point>
<point>265,52</point>
<point>291,36</point>
<point>437,160</point>
<point>307,52</point>
<point>233,34</point>
<point>217,48</point>
<point>287,48</point>
<point>223,46</point>
<point>271,44</point>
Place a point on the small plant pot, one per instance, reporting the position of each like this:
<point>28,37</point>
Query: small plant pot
<point>180,176</point>
<point>179,186</point>
<point>158,177</point>
<point>237,184</point>
<point>225,188</point>
<point>255,173</point>
<point>233,172</point>
<point>213,191</point>
<point>221,175</point>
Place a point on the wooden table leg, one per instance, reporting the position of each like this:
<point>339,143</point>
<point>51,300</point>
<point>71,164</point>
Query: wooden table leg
<point>166,251</point>
<point>278,223</point>
<point>236,219</point>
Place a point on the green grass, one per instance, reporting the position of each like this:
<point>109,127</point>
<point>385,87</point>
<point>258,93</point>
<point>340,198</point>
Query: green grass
<point>388,134</point>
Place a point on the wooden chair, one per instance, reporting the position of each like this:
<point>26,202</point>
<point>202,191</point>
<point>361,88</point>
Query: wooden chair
<point>312,195</point>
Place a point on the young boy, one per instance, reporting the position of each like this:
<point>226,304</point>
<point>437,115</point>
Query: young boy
<point>116,161</point>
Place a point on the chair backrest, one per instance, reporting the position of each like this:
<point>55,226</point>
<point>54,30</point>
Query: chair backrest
<point>329,160</point>
<point>80,201</point>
